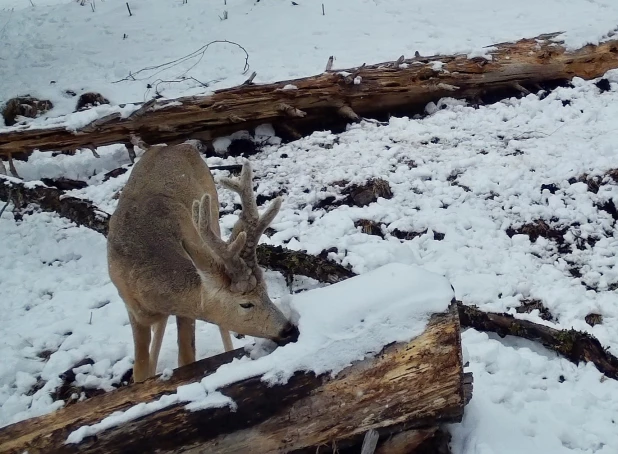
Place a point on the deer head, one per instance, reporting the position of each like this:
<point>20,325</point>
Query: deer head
<point>234,294</point>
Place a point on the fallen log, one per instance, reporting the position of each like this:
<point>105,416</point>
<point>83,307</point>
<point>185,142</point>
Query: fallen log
<point>576,346</point>
<point>408,386</point>
<point>332,99</point>
<point>85,213</point>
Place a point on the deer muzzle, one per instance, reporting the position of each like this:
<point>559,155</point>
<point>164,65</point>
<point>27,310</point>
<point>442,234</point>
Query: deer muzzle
<point>289,334</point>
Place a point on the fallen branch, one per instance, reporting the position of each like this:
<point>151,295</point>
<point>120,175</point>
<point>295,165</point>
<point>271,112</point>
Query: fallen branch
<point>82,212</point>
<point>314,103</point>
<point>85,213</point>
<point>411,387</point>
<point>576,346</point>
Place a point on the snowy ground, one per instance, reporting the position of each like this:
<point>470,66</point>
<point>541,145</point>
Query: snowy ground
<point>59,45</point>
<point>464,181</point>
<point>468,174</point>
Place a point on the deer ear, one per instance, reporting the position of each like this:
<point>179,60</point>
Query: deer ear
<point>198,257</point>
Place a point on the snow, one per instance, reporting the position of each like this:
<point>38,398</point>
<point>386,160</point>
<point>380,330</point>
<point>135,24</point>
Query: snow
<point>60,45</point>
<point>118,418</point>
<point>465,173</point>
<point>528,400</point>
<point>460,178</point>
<point>338,324</point>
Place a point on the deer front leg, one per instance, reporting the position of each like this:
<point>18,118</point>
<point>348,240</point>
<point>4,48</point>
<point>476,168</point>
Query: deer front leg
<point>141,342</point>
<point>227,340</point>
<point>158,330</point>
<point>186,340</point>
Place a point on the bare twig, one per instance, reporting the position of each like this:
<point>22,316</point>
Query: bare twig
<point>129,8</point>
<point>8,200</point>
<point>329,63</point>
<point>197,53</point>
<point>249,81</point>
<point>12,167</point>
<point>370,442</point>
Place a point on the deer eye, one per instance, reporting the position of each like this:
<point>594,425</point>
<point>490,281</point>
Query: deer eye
<point>246,305</point>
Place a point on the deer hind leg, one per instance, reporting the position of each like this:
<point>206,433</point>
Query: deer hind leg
<point>186,340</point>
<point>158,330</point>
<point>227,339</point>
<point>141,342</point>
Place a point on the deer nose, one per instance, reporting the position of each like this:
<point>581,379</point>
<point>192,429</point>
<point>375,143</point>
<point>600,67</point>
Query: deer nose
<point>289,334</point>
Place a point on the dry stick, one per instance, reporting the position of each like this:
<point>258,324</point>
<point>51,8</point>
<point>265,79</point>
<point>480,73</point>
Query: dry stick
<point>170,64</point>
<point>6,204</point>
<point>329,63</point>
<point>12,167</point>
<point>129,8</point>
<point>249,81</point>
<point>370,442</point>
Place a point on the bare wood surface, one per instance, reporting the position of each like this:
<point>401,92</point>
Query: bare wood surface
<point>412,385</point>
<point>405,442</point>
<point>334,97</point>
<point>85,213</point>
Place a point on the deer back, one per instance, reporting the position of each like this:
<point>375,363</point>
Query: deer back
<point>153,216</point>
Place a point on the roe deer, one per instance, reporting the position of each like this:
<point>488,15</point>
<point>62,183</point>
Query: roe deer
<point>166,257</point>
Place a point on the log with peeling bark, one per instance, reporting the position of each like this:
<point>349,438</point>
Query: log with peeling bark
<point>410,387</point>
<point>85,213</point>
<point>335,97</point>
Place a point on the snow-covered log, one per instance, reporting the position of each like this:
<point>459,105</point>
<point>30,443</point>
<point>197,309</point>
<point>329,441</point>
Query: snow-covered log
<point>333,98</point>
<point>408,386</point>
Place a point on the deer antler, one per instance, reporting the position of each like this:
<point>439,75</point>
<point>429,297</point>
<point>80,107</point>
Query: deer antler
<point>228,252</point>
<point>250,222</point>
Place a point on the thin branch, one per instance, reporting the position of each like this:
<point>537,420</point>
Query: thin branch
<point>8,200</point>
<point>576,346</point>
<point>197,53</point>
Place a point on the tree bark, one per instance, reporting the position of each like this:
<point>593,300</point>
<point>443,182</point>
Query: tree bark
<point>85,213</point>
<point>408,386</point>
<point>335,97</point>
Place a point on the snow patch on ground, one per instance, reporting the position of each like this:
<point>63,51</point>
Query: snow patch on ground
<point>527,399</point>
